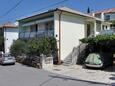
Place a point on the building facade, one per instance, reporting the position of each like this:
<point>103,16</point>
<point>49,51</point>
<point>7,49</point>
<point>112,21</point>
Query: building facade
<point>107,15</point>
<point>9,33</point>
<point>65,24</point>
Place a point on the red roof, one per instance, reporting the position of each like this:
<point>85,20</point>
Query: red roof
<point>112,10</point>
<point>8,25</point>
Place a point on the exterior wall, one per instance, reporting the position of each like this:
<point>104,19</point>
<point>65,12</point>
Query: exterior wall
<point>112,16</point>
<point>10,34</point>
<point>72,29</point>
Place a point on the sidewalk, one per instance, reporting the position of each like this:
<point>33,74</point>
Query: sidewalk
<point>78,72</point>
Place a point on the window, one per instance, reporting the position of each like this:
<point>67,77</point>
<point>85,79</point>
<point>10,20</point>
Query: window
<point>49,25</point>
<point>107,17</point>
<point>112,26</point>
<point>34,28</point>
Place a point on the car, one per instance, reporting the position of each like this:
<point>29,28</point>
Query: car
<point>94,60</point>
<point>7,59</point>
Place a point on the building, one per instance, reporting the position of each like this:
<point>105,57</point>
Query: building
<point>9,32</point>
<point>65,24</point>
<point>107,15</point>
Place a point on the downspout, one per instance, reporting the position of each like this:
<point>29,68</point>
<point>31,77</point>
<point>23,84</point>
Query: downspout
<point>4,36</point>
<point>59,57</point>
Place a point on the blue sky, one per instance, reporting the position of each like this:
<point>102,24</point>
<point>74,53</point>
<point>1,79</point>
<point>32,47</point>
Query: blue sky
<point>29,7</point>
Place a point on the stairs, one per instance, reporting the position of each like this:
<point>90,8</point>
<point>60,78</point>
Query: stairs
<point>71,59</point>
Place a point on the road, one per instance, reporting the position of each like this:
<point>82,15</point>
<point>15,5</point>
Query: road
<point>20,75</point>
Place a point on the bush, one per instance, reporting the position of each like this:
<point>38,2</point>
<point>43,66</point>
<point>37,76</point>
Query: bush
<point>45,46</point>
<point>34,47</point>
<point>18,48</point>
<point>98,39</point>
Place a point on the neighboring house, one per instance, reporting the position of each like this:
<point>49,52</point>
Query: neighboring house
<point>10,33</point>
<point>107,15</point>
<point>65,24</point>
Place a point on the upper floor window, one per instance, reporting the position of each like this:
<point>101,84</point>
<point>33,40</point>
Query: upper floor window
<point>107,17</point>
<point>34,28</point>
<point>49,26</point>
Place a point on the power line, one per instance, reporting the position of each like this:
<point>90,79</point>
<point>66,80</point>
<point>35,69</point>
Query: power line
<point>57,3</point>
<point>11,9</point>
<point>51,5</point>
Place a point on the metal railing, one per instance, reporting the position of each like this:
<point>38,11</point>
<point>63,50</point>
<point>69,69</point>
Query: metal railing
<point>39,33</point>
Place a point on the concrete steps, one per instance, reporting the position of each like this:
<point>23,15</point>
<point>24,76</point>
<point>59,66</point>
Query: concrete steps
<point>71,59</point>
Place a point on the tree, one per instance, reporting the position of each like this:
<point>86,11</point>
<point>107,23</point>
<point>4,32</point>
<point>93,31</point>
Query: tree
<point>88,10</point>
<point>18,47</point>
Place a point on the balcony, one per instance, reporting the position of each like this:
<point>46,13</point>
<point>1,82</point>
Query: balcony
<point>40,33</point>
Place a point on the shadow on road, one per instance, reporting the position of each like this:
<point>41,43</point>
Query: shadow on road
<point>65,78</point>
<point>110,69</point>
<point>112,78</point>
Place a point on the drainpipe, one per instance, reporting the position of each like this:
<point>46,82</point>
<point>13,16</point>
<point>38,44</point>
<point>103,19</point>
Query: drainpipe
<point>59,57</point>
<point>4,35</point>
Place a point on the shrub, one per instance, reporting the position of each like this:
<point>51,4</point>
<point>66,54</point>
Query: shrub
<point>34,47</point>
<point>18,48</point>
<point>28,51</point>
<point>98,39</point>
<point>45,46</point>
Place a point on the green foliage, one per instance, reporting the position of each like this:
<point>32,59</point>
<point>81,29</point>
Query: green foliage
<point>97,39</point>
<point>35,47</point>
<point>18,47</point>
<point>39,46</point>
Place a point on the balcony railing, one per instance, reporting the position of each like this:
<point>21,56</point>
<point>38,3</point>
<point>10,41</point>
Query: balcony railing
<point>40,33</point>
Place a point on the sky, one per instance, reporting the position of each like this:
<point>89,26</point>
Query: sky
<point>30,7</point>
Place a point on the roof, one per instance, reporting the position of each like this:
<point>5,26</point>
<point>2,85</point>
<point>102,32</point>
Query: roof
<point>112,10</point>
<point>8,25</point>
<point>73,11</point>
<point>65,9</point>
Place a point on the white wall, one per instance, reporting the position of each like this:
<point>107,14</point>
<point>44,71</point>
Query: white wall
<point>10,34</point>
<point>72,29</point>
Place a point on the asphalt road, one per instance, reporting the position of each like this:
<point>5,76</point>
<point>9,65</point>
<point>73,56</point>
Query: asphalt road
<point>20,75</point>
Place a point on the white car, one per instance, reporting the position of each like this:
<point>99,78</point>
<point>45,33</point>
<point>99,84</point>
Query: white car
<point>7,59</point>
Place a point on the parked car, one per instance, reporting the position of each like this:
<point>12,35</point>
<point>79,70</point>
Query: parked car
<point>94,60</point>
<point>7,59</point>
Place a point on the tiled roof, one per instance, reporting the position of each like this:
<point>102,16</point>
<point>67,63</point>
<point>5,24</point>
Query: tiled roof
<point>112,10</point>
<point>8,25</point>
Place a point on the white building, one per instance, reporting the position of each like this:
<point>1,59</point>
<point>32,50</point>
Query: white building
<point>10,33</point>
<point>107,15</point>
<point>65,24</point>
